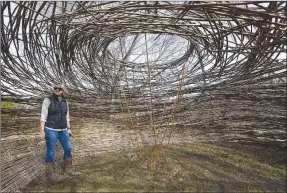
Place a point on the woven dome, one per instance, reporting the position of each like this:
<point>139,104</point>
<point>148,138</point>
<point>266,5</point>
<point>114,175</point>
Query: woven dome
<point>217,68</point>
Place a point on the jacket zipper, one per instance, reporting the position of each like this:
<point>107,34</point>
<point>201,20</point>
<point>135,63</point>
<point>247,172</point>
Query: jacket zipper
<point>61,114</point>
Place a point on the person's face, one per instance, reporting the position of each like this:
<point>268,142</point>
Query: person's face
<point>58,91</point>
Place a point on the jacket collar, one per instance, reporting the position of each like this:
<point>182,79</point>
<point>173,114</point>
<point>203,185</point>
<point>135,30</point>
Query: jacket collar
<point>56,97</point>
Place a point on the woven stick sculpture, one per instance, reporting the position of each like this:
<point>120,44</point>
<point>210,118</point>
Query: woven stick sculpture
<point>215,67</point>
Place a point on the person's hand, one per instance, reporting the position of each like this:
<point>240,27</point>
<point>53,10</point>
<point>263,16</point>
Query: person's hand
<point>70,132</point>
<point>42,134</point>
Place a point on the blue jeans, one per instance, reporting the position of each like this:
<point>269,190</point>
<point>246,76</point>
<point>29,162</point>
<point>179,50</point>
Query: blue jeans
<point>51,137</point>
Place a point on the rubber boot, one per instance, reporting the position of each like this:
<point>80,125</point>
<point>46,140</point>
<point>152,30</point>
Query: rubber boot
<point>50,170</point>
<point>68,168</point>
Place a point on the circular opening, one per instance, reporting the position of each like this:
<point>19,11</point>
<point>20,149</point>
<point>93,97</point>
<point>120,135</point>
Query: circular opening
<point>156,48</point>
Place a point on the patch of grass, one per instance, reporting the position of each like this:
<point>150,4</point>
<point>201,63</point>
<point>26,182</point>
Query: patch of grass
<point>8,105</point>
<point>197,168</point>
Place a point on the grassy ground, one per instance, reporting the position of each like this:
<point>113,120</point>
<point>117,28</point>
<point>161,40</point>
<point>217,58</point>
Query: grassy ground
<point>197,168</point>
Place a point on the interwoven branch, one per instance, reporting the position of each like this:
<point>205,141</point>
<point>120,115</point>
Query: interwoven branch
<point>215,67</point>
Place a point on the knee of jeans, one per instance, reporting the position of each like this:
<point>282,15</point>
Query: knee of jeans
<point>68,149</point>
<point>50,154</point>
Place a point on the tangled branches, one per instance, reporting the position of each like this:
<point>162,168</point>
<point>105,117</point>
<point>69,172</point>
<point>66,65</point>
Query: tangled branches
<point>154,61</point>
<point>219,67</point>
<point>46,42</point>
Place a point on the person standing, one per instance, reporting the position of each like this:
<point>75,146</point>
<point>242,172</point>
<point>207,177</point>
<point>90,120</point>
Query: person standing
<point>55,125</point>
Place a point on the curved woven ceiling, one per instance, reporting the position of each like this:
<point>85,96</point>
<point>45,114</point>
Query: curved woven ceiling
<point>46,42</point>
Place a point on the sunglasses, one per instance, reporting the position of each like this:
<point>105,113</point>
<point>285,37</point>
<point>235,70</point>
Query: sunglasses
<point>55,88</point>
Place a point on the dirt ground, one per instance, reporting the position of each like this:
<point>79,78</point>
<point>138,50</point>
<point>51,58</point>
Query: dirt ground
<point>194,168</point>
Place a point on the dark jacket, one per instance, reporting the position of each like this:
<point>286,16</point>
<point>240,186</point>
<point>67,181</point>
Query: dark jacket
<point>57,113</point>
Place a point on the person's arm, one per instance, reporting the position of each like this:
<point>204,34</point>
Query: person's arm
<point>68,116</point>
<point>68,121</point>
<point>44,114</point>
<point>42,125</point>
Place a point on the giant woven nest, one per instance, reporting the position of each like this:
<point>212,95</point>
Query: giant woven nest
<point>216,68</point>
